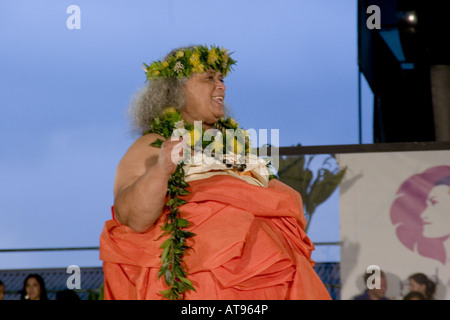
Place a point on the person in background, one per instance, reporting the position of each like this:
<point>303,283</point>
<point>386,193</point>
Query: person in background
<point>67,295</point>
<point>34,288</point>
<point>414,295</point>
<point>2,290</point>
<point>421,283</point>
<point>374,294</point>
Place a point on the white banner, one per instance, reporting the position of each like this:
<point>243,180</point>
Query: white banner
<point>394,215</point>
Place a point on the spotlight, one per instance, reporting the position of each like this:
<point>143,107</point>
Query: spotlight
<point>407,20</point>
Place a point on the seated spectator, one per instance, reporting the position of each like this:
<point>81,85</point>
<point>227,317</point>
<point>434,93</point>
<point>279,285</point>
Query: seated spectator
<point>67,295</point>
<point>374,294</point>
<point>34,288</point>
<point>421,283</point>
<point>2,290</point>
<point>414,295</point>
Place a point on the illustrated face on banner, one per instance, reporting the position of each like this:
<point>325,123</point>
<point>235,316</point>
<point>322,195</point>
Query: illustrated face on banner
<point>436,215</point>
<point>421,213</point>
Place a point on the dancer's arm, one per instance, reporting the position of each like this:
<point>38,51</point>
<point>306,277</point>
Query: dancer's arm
<point>141,182</point>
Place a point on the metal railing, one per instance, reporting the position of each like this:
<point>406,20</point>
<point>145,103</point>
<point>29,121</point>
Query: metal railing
<point>335,243</point>
<point>50,249</point>
<point>306,150</point>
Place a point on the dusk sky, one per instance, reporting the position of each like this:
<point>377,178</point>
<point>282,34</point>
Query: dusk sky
<point>64,94</point>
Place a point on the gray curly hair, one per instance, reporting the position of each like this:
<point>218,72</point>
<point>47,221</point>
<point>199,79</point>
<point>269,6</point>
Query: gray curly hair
<point>155,97</point>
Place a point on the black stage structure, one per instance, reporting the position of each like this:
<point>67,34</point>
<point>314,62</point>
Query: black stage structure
<point>404,56</point>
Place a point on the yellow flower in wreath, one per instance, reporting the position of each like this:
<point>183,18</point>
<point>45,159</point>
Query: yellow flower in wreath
<point>195,59</point>
<point>200,68</point>
<point>212,56</point>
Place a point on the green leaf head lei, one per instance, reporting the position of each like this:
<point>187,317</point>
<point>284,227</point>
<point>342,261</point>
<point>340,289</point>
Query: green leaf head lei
<point>184,62</point>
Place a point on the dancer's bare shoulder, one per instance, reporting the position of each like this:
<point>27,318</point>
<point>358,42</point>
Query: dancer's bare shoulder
<point>139,157</point>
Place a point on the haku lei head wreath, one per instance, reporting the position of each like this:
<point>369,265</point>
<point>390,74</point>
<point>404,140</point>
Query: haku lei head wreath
<point>197,59</point>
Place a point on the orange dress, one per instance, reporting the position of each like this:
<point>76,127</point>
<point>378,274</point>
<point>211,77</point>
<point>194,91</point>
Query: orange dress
<point>249,245</point>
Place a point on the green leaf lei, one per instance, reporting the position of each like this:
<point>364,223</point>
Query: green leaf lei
<point>175,246</point>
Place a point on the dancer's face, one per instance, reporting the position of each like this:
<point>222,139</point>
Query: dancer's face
<point>436,217</point>
<point>204,94</point>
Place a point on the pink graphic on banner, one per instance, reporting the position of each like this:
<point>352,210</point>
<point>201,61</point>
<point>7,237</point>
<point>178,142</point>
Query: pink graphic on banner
<point>421,212</point>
